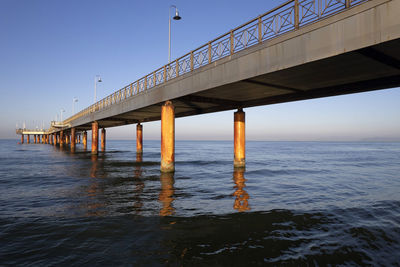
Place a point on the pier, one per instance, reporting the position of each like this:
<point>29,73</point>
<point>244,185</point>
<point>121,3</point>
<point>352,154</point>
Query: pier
<point>299,50</point>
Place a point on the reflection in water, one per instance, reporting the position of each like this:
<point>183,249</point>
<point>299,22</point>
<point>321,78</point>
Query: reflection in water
<point>95,166</point>
<point>241,196</point>
<point>166,194</point>
<point>139,184</point>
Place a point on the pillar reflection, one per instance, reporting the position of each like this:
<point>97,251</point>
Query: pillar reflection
<point>139,185</point>
<point>167,192</point>
<point>95,166</point>
<point>241,202</point>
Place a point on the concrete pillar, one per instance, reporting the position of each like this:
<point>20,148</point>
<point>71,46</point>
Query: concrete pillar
<point>61,138</point>
<point>46,138</point>
<point>139,138</point>
<point>73,139</point>
<point>239,140</point>
<point>22,138</point>
<point>42,138</point>
<point>167,137</point>
<point>95,137</point>
<point>28,139</point>
<point>34,138</point>
<point>66,139</point>
<point>103,140</point>
<point>54,139</point>
<point>85,140</point>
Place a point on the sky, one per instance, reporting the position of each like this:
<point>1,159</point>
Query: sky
<point>51,51</point>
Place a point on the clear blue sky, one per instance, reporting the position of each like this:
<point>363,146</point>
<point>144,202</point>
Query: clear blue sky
<point>50,51</point>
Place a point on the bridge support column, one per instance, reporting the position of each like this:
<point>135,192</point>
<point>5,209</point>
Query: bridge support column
<point>54,136</point>
<point>167,137</point>
<point>37,139</point>
<point>103,140</point>
<point>28,139</point>
<point>34,138</point>
<point>84,140</point>
<point>61,138</point>
<point>73,139</point>
<point>239,139</point>
<point>95,137</point>
<point>46,138</point>
<point>22,138</point>
<point>42,138</point>
<point>139,138</point>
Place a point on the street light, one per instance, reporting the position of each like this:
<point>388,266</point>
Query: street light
<point>97,79</point>
<point>176,17</point>
<point>74,100</point>
<point>61,112</point>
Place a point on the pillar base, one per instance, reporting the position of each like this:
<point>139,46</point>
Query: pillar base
<point>167,167</point>
<point>239,163</point>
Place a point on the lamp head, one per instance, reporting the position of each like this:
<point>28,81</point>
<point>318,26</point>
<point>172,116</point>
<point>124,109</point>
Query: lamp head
<point>176,17</point>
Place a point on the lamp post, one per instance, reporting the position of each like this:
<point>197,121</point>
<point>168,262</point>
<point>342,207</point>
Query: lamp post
<point>176,17</point>
<point>61,112</point>
<point>74,100</point>
<point>97,79</point>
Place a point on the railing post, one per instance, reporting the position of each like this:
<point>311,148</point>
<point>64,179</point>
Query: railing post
<point>165,73</point>
<point>154,79</point>
<point>177,68</point>
<point>209,52</point>
<point>296,14</point>
<point>348,3</point>
<point>259,30</point>
<point>137,87</point>
<point>145,82</point>
<point>131,90</point>
<point>191,61</point>
<point>232,42</point>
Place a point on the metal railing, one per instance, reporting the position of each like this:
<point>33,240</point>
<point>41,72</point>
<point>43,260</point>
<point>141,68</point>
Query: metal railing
<point>287,17</point>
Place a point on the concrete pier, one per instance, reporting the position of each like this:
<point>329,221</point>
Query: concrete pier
<point>95,137</point>
<point>61,137</point>
<point>84,140</point>
<point>239,139</point>
<point>22,138</point>
<point>167,137</point>
<point>139,138</point>
<point>73,139</point>
<point>103,140</point>
<point>28,139</point>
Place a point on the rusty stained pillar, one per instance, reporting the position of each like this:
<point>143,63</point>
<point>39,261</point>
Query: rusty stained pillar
<point>167,137</point>
<point>28,139</point>
<point>46,138</point>
<point>103,140</point>
<point>79,138</point>
<point>73,139</point>
<point>61,138</point>
<point>84,140</point>
<point>22,138</point>
<point>95,137</point>
<point>239,139</point>
<point>42,138</point>
<point>54,139</point>
<point>34,138</point>
<point>66,139</point>
<point>38,138</point>
<point>139,138</point>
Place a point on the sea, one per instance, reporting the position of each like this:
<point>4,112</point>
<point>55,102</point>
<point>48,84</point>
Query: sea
<point>295,204</point>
